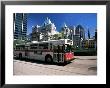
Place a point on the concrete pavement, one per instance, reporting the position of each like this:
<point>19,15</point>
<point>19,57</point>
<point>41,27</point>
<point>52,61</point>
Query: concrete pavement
<point>86,57</point>
<point>86,66</point>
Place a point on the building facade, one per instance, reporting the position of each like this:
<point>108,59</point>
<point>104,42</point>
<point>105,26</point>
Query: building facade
<point>77,34</point>
<point>88,43</point>
<point>47,31</point>
<point>44,32</point>
<point>66,31</point>
<point>20,26</point>
<point>80,31</point>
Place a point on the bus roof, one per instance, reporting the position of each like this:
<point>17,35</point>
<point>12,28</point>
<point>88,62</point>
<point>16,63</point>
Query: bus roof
<point>49,41</point>
<point>60,41</point>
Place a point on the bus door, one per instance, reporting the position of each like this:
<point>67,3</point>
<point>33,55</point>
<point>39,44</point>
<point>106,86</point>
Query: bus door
<point>26,52</point>
<point>55,48</point>
<point>61,53</point>
<point>58,53</point>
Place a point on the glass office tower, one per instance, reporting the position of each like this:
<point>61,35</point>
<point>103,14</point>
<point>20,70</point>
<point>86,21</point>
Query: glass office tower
<point>20,25</point>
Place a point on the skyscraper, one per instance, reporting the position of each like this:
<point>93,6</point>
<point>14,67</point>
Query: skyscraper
<point>88,34</point>
<point>66,30</point>
<point>20,25</point>
<point>96,34</point>
<point>80,31</point>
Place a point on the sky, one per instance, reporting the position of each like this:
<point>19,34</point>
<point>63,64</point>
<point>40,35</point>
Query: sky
<point>87,20</point>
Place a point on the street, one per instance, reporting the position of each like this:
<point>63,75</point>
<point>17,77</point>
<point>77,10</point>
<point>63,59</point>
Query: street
<point>82,65</point>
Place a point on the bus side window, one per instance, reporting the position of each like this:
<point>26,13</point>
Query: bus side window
<point>17,48</point>
<point>55,48</point>
<point>41,46</point>
<point>50,46</point>
<point>63,48</point>
<point>34,46</point>
<point>45,46</point>
<point>35,52</point>
<point>60,48</point>
<point>21,47</point>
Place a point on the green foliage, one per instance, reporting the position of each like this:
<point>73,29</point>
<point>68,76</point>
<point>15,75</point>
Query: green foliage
<point>56,36</point>
<point>62,35</point>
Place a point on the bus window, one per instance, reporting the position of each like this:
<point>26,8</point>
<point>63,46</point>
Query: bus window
<point>50,46</point>
<point>55,48</point>
<point>43,46</point>
<point>63,48</point>
<point>35,52</point>
<point>26,47</point>
<point>67,48</point>
<point>17,48</point>
<point>60,48</point>
<point>68,41</point>
<point>20,47</point>
<point>40,46</point>
<point>34,46</point>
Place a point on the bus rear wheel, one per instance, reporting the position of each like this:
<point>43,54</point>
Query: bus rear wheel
<point>20,55</point>
<point>48,59</point>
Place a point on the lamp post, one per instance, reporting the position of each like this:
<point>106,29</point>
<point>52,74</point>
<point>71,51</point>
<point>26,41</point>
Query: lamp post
<point>81,43</point>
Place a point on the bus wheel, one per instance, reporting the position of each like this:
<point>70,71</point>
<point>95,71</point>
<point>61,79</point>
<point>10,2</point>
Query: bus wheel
<point>48,59</point>
<point>20,55</point>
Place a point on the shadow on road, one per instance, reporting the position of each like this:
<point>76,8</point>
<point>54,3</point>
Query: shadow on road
<point>92,68</point>
<point>42,62</point>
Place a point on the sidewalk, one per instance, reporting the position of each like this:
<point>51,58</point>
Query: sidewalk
<point>86,57</point>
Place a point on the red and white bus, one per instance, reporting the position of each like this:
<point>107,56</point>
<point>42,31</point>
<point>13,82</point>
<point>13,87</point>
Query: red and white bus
<point>58,51</point>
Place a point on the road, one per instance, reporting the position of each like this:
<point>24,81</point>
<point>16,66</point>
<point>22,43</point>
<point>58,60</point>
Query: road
<point>82,65</point>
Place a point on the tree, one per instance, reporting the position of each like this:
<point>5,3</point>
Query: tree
<point>55,36</point>
<point>62,35</point>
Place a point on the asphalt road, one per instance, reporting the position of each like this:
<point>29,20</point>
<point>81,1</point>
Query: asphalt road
<point>82,65</point>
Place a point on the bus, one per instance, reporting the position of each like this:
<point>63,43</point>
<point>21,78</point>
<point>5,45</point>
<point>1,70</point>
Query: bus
<point>58,51</point>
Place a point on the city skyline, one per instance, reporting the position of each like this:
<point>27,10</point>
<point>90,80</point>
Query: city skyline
<point>87,20</point>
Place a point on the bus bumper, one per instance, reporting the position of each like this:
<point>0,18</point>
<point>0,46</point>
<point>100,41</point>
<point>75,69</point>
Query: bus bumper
<point>69,56</point>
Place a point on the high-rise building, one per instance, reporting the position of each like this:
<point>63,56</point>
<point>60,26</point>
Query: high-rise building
<point>66,30</point>
<point>96,34</point>
<point>80,31</point>
<point>88,34</point>
<point>77,34</point>
<point>20,25</point>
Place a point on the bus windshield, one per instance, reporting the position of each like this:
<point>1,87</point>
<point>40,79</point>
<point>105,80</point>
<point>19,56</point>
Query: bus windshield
<point>68,48</point>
